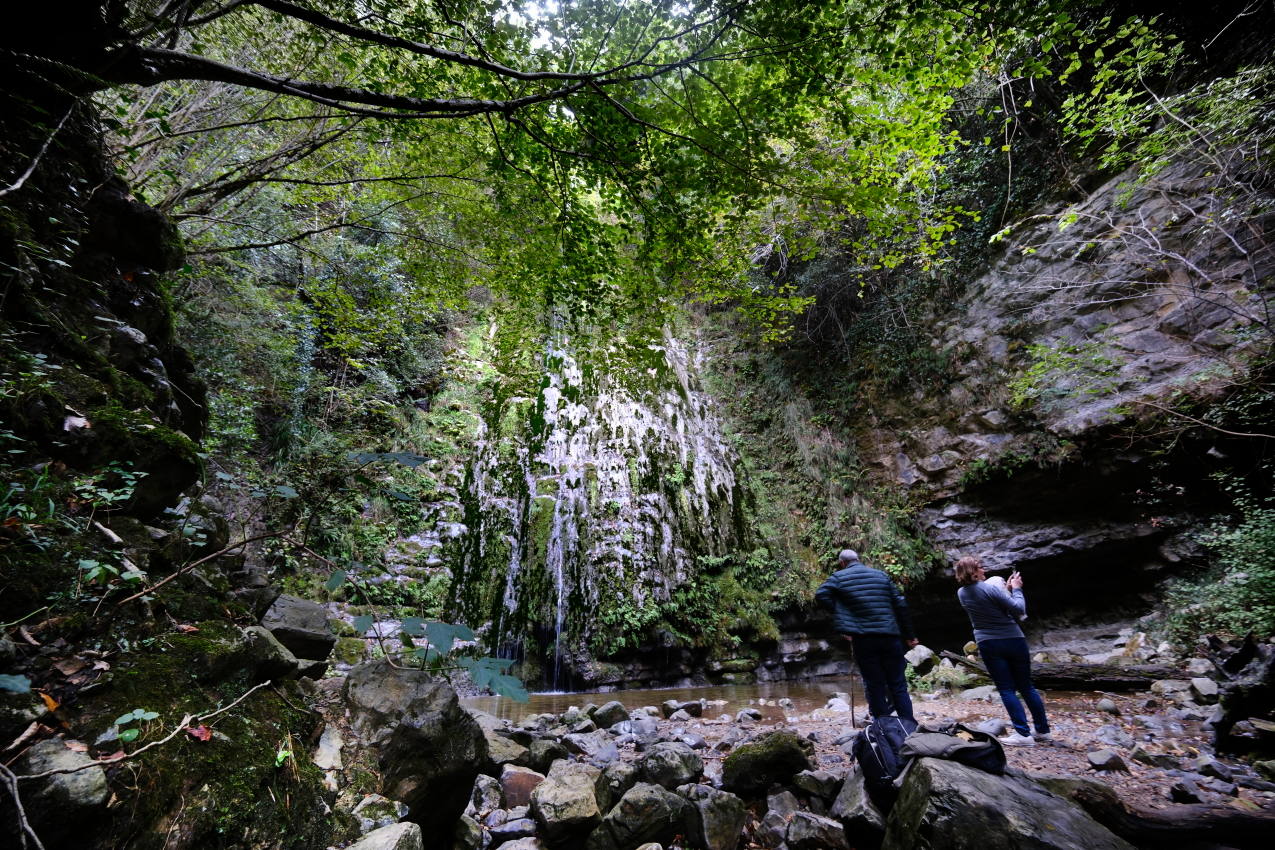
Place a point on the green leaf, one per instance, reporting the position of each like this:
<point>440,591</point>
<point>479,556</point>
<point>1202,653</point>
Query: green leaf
<point>442,636</point>
<point>362,623</point>
<point>145,715</point>
<point>126,718</point>
<point>15,684</point>
<point>335,580</point>
<point>414,626</point>
<point>130,735</point>
<point>508,686</point>
<point>285,491</point>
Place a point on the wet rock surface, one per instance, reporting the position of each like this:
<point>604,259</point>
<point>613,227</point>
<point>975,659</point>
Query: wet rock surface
<point>428,748</point>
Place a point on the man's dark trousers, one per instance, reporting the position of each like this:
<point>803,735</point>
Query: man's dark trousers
<point>880,659</point>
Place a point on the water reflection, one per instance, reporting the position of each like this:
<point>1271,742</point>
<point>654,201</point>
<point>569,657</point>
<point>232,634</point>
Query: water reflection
<point>805,695</point>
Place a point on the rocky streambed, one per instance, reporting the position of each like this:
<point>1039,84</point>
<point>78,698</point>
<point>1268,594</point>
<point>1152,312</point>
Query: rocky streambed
<point>1123,770</point>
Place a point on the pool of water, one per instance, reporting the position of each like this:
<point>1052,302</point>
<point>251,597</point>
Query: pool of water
<point>805,695</point>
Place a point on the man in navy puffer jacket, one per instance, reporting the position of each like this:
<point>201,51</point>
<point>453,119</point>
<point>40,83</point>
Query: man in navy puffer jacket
<point>868,609</point>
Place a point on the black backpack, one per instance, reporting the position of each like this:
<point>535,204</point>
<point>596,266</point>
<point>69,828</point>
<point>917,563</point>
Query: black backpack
<point>877,752</point>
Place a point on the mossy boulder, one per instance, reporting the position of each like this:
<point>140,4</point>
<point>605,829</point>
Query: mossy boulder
<point>242,786</point>
<point>58,806</point>
<point>168,459</point>
<point>428,749</point>
<point>774,758</point>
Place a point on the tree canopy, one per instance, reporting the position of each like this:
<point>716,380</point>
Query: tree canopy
<point>574,150</point>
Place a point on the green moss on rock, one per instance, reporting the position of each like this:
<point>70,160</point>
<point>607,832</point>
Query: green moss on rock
<point>774,758</point>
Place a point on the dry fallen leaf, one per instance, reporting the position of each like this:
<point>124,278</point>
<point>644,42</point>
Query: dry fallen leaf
<point>201,733</point>
<point>70,666</point>
<point>77,746</point>
<point>186,629</point>
<point>49,702</point>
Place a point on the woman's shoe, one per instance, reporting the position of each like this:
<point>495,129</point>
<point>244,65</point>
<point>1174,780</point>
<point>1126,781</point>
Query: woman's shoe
<point>1013,739</point>
<point>1043,737</point>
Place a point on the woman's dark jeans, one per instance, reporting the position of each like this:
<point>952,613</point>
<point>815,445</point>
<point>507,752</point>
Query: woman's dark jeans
<point>1009,664</point>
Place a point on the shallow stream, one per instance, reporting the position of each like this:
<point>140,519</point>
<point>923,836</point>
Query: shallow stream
<point>806,696</point>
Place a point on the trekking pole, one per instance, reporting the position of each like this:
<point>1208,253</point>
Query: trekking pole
<point>854,665</point>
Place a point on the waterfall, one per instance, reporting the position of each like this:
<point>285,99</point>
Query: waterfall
<point>611,480</point>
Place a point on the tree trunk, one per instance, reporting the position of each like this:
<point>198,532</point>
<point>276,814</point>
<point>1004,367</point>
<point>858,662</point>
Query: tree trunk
<point>1086,677</point>
<point>1178,827</point>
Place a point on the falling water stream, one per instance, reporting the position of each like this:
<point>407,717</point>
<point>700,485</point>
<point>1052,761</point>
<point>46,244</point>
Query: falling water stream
<point>616,479</point>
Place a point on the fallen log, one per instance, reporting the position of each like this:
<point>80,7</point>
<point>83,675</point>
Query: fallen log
<point>1075,676</point>
<point>1176,827</point>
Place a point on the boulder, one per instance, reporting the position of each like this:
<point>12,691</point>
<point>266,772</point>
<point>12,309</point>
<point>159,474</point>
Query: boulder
<point>503,750</point>
<point>1166,687</point>
<point>327,757</point>
<point>566,803</point>
<point>532,843</point>
<point>1185,791</point>
<point>59,807</point>
<point>301,626</point>
<point>716,818</point>
<point>543,752</point>
<point>921,658</point>
<point>1200,667</point>
<point>1204,690</point>
<point>863,822</point>
<point>1114,736</point>
<point>512,829</point>
<point>944,804</point>
<point>1108,706</point>
<point>774,758</point>
<point>428,748</point>
<point>267,658</point>
<point>587,744</point>
<point>783,804</point>
<point>812,832</point>
<point>487,795</point>
<point>399,836</point>
<point>1161,760</point>
<point>610,714</point>
<point>374,812</point>
<point>818,783</point>
<point>468,834</point>
<point>619,777</point>
<point>1209,766</point>
<point>1106,760</point>
<point>645,813</point>
<point>993,726</point>
<point>670,764</point>
<point>984,692</point>
<point>517,783</point>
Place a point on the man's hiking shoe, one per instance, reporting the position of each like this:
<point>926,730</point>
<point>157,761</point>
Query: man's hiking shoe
<point>1043,738</point>
<point>1013,739</point>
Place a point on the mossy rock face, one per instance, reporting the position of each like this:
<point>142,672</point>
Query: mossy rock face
<point>169,459</point>
<point>774,758</point>
<point>350,650</point>
<point>133,233</point>
<point>249,785</point>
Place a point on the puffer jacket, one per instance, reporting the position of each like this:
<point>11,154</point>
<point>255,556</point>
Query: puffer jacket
<point>864,601</point>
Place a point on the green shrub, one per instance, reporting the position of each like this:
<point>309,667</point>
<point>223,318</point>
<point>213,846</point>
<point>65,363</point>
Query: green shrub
<point>1236,594</point>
